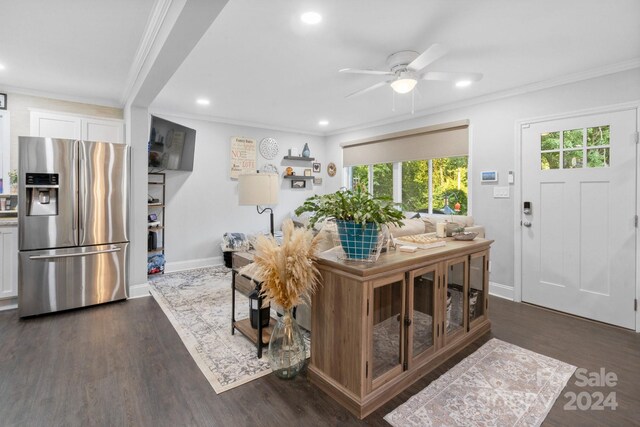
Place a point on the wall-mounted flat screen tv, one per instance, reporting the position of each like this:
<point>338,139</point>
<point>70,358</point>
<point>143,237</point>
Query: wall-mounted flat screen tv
<point>171,146</point>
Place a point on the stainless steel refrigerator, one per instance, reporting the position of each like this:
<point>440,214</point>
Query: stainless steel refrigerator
<point>73,224</point>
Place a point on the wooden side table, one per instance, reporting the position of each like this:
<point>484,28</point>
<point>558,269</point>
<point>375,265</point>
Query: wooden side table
<point>246,285</point>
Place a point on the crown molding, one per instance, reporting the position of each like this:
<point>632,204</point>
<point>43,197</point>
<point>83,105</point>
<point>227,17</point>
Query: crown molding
<point>61,97</point>
<point>226,121</point>
<point>156,19</point>
<point>521,90</point>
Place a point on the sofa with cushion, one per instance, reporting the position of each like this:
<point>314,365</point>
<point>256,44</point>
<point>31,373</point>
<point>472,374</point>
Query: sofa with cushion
<point>426,223</point>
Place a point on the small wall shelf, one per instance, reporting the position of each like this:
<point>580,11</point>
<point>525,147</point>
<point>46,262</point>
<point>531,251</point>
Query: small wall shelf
<point>297,177</point>
<point>299,158</point>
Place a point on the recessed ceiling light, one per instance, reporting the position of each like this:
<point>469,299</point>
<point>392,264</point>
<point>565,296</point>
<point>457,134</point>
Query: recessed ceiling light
<point>203,101</point>
<point>323,122</point>
<point>463,83</point>
<point>2,67</point>
<point>311,18</point>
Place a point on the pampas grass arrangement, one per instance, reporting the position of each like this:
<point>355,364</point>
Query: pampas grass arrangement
<point>288,274</point>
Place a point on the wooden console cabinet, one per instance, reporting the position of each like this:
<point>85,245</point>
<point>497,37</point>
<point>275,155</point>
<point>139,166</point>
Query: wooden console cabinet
<point>378,327</point>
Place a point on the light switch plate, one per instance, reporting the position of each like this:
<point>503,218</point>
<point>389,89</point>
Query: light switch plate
<point>500,192</point>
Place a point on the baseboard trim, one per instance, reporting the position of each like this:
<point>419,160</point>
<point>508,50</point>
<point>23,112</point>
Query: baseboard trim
<point>8,304</point>
<point>172,267</point>
<point>501,291</point>
<point>139,290</point>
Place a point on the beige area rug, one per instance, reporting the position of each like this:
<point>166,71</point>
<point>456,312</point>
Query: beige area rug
<point>499,385</point>
<point>198,305</point>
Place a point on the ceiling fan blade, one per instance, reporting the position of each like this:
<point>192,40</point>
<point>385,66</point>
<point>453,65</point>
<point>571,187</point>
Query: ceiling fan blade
<point>446,76</point>
<point>367,89</point>
<point>435,51</point>
<point>357,71</point>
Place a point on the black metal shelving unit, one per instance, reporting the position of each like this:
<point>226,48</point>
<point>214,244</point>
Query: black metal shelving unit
<point>157,190</point>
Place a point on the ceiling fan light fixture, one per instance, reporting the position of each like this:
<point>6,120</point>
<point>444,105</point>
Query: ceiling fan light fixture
<point>463,83</point>
<point>404,84</point>
<point>311,18</point>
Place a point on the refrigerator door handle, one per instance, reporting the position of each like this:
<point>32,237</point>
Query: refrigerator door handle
<point>77,254</point>
<point>80,196</point>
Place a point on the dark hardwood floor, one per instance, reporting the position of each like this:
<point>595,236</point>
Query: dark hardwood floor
<point>124,364</point>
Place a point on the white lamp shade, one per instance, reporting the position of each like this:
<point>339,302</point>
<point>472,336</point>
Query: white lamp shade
<point>404,85</point>
<point>258,189</point>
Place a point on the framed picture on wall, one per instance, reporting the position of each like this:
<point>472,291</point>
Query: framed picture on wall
<point>317,167</point>
<point>298,183</point>
<point>307,172</point>
<point>3,101</point>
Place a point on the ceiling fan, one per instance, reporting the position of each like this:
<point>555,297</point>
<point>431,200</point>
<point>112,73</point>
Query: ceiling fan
<point>407,67</point>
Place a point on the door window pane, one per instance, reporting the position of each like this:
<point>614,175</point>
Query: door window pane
<point>455,304</point>
<point>423,313</point>
<point>550,160</point>
<point>383,180</point>
<point>598,136</point>
<point>572,138</point>
<point>598,157</point>
<point>387,325</point>
<point>550,141</point>
<point>476,287</point>
<point>360,176</point>
<point>572,159</point>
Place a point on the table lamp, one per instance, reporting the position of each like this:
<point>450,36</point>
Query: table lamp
<point>258,189</point>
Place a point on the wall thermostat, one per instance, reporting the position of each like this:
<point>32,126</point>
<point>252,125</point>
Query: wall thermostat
<point>489,176</point>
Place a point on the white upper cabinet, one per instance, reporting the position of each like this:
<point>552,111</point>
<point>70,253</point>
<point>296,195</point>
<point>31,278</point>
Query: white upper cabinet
<point>54,125</point>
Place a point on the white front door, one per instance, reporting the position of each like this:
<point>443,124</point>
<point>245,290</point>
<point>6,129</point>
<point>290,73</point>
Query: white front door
<point>578,241</point>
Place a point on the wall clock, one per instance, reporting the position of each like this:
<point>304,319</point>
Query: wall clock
<point>270,168</point>
<point>331,169</point>
<point>268,148</point>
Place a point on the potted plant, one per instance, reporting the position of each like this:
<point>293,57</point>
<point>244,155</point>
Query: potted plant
<point>288,277</point>
<point>358,216</point>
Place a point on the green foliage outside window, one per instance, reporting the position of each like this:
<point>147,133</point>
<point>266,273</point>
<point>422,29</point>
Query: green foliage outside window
<point>383,180</point>
<point>450,181</point>
<point>360,176</point>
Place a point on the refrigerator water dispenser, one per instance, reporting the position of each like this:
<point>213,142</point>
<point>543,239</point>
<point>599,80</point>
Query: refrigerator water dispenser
<point>42,194</point>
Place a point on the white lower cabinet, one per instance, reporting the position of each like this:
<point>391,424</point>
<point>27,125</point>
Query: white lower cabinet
<point>9,260</point>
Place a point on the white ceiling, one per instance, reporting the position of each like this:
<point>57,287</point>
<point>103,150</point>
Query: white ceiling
<point>76,48</point>
<point>260,65</point>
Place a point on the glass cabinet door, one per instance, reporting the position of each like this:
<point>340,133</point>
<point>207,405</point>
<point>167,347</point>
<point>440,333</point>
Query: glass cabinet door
<point>454,304</point>
<point>478,278</point>
<point>421,297</point>
<point>388,324</point>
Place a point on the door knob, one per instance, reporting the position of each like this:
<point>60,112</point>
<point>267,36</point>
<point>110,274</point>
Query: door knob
<point>526,223</point>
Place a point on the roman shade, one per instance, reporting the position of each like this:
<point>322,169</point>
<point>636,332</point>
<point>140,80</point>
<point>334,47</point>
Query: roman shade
<point>432,142</point>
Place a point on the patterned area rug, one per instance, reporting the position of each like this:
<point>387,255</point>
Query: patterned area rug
<point>499,385</point>
<point>198,304</point>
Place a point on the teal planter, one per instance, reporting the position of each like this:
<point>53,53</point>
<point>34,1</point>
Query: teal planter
<point>357,241</point>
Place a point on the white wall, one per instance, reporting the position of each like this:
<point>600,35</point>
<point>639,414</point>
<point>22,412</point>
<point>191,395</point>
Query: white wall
<point>492,147</point>
<point>202,205</point>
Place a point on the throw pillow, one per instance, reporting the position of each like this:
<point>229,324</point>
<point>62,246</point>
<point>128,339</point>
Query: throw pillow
<point>429,225</point>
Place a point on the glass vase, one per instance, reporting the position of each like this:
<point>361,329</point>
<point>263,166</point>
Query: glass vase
<point>287,350</point>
